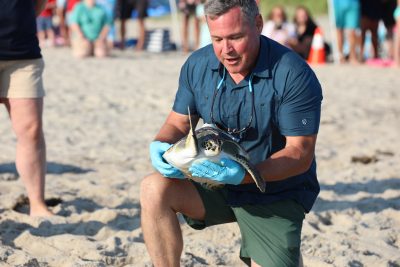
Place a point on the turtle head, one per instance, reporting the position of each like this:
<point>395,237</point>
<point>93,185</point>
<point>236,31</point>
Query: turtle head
<point>212,147</point>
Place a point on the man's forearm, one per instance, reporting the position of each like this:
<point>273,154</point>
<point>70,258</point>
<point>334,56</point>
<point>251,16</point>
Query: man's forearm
<point>284,164</point>
<point>39,6</point>
<point>288,162</point>
<point>175,127</point>
<point>169,134</point>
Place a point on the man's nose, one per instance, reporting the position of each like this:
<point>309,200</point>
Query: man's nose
<point>226,46</point>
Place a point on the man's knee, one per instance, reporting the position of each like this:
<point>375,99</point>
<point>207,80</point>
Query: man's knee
<point>153,190</point>
<point>159,192</point>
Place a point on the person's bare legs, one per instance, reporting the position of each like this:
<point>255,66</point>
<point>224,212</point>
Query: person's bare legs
<point>63,26</point>
<point>353,46</point>
<point>26,120</point>
<point>142,35</point>
<point>185,33</point>
<point>81,47</point>
<point>100,48</point>
<point>51,37</point>
<point>374,39</point>
<point>197,31</point>
<point>340,40</point>
<point>370,25</point>
<point>122,32</point>
<point>390,42</point>
<point>42,38</point>
<point>161,198</point>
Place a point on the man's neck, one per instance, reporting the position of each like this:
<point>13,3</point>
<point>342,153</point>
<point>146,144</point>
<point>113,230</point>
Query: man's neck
<point>238,77</point>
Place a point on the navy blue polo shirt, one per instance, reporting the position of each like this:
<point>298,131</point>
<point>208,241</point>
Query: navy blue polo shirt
<point>18,30</point>
<point>287,102</point>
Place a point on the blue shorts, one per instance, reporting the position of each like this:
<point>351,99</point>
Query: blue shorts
<point>44,23</point>
<point>347,14</point>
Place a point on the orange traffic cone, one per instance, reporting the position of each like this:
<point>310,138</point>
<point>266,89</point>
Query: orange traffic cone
<point>317,52</point>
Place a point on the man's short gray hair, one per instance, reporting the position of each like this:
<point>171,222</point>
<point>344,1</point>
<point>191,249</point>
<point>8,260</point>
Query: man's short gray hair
<point>216,8</point>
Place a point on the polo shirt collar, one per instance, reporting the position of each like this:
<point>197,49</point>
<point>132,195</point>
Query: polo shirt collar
<point>261,69</point>
<point>214,62</point>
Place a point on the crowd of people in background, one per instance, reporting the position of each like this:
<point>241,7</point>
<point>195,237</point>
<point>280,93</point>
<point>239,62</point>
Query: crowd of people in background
<point>297,35</point>
<point>88,27</point>
<point>371,30</point>
<point>359,24</point>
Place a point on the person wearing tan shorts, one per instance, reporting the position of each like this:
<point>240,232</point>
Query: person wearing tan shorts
<point>21,78</point>
<point>21,91</point>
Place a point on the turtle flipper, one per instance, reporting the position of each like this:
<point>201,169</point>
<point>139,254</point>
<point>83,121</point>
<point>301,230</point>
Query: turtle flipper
<point>233,148</point>
<point>260,182</point>
<point>191,139</point>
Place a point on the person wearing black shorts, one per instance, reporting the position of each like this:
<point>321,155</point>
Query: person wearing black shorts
<point>371,12</point>
<point>388,7</point>
<point>124,11</point>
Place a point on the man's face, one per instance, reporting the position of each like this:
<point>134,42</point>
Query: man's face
<point>235,41</point>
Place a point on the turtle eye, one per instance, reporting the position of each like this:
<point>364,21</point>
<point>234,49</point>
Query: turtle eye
<point>206,145</point>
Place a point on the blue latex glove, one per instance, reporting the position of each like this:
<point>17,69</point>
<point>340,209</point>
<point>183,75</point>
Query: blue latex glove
<point>157,149</point>
<point>229,172</point>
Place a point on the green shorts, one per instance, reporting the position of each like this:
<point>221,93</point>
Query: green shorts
<point>271,233</point>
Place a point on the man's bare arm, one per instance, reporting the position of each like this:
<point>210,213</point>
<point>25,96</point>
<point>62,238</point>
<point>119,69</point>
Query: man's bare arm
<point>174,128</point>
<point>294,159</point>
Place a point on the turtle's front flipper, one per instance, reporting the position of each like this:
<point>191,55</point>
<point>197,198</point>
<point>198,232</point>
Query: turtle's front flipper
<point>260,182</point>
<point>191,140</point>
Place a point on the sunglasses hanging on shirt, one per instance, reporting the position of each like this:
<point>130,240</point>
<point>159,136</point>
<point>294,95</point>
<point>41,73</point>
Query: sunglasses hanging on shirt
<point>236,133</point>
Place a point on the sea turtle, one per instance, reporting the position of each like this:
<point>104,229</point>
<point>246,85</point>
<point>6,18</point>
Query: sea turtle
<point>209,142</point>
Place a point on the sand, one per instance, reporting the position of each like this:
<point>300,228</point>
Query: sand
<point>100,116</point>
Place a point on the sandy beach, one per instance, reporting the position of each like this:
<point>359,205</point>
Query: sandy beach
<point>100,116</point>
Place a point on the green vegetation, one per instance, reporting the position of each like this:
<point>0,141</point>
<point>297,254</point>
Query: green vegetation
<point>316,7</point>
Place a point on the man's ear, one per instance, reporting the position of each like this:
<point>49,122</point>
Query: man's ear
<point>259,23</point>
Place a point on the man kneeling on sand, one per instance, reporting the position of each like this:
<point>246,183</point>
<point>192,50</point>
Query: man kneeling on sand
<point>269,100</point>
<point>90,25</point>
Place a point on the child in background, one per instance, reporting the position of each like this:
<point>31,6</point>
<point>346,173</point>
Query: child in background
<point>44,23</point>
<point>277,27</point>
<point>89,30</point>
